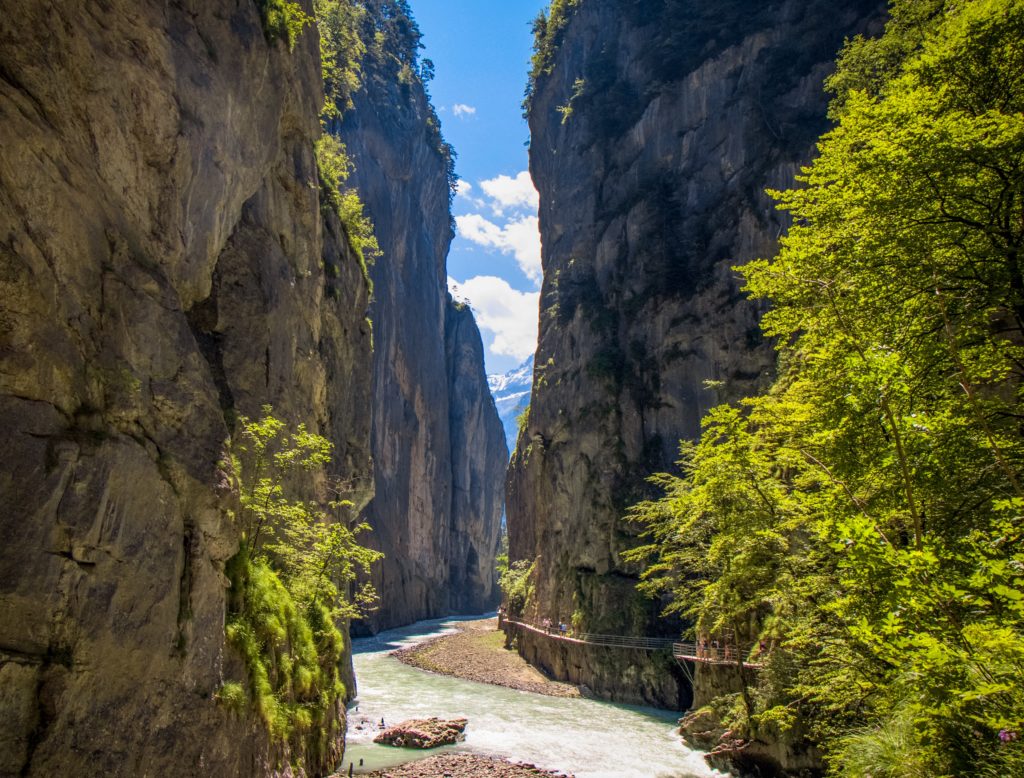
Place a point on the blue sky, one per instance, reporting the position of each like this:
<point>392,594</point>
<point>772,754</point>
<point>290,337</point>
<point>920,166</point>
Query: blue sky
<point>481,51</point>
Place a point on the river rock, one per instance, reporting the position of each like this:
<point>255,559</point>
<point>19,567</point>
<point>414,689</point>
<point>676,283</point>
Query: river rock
<point>466,766</point>
<point>423,733</point>
<point>702,729</point>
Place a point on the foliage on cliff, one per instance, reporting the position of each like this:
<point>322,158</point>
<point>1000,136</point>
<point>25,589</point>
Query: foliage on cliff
<point>333,169</point>
<point>342,50</point>
<point>290,586</point>
<point>283,20</point>
<point>393,42</point>
<point>517,586</point>
<point>865,517</point>
<point>547,35</point>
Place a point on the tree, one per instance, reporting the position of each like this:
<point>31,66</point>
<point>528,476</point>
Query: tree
<point>342,49</point>
<point>883,470</point>
<point>292,581</point>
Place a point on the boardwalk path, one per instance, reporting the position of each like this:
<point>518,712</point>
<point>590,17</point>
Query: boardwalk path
<point>688,652</point>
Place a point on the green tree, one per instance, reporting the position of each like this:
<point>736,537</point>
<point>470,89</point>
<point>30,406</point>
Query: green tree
<point>292,584</point>
<point>283,20</point>
<point>866,513</point>
<point>517,586</point>
<point>341,51</point>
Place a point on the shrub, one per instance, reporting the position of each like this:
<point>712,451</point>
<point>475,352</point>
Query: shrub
<point>289,587</point>
<point>334,168</point>
<point>283,20</point>
<point>516,586</point>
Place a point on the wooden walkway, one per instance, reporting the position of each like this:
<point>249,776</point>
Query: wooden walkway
<point>687,652</point>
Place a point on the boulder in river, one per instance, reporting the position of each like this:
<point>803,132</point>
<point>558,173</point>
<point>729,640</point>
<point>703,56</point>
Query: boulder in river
<point>423,733</point>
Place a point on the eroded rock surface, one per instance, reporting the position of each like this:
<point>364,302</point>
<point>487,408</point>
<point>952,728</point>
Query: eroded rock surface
<point>654,137</point>
<point>438,447</point>
<point>162,255</point>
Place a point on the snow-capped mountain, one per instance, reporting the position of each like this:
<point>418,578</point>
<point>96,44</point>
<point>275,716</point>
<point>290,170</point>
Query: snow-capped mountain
<point>511,396</point>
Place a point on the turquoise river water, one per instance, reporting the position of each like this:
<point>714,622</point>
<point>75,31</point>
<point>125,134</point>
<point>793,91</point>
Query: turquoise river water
<point>587,738</point>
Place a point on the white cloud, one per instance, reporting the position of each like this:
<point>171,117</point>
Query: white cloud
<point>508,314</point>
<point>519,237</point>
<point>461,109</point>
<point>465,192</point>
<point>508,193</point>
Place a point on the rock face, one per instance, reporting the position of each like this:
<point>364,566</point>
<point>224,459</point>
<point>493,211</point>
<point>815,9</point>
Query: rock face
<point>479,457</point>
<point>611,673</point>
<point>438,449</point>
<point>654,136</point>
<point>162,254</point>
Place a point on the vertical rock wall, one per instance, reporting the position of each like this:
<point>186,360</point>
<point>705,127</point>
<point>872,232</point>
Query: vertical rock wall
<point>479,458</point>
<point>654,136</point>
<point>162,256</point>
<point>432,531</point>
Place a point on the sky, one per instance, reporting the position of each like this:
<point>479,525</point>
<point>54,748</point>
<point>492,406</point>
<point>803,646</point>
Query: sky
<point>481,51</point>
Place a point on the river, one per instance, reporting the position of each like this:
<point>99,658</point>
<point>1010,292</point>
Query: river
<point>587,738</point>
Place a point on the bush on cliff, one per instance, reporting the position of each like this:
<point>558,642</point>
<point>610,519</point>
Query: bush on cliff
<point>289,587</point>
<point>283,20</point>
<point>517,586</point>
<point>333,169</point>
<point>341,52</point>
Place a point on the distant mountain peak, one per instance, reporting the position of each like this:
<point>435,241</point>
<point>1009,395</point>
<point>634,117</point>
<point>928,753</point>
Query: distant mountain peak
<point>520,377</point>
<point>511,393</point>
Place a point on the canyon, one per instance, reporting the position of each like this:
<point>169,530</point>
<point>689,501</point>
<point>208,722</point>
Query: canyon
<point>438,448</point>
<point>214,211</point>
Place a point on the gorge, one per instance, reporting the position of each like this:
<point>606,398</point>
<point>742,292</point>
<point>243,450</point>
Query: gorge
<point>168,265</point>
<point>273,402</point>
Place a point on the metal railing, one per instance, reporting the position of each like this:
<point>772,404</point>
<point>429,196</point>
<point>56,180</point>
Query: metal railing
<point>624,641</point>
<point>715,655</point>
<point>693,652</point>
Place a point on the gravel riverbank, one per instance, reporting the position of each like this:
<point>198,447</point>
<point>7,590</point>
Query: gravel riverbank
<point>477,653</point>
<point>463,766</point>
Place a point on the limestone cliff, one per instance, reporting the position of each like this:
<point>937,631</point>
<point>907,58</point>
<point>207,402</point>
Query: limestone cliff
<point>162,268</point>
<point>656,127</point>
<point>438,538</point>
<point>479,458</point>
